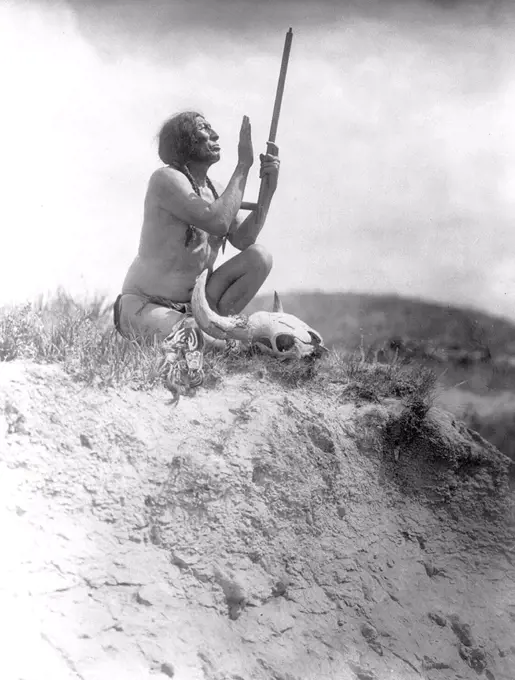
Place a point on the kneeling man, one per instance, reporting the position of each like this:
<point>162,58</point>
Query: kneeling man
<point>187,218</point>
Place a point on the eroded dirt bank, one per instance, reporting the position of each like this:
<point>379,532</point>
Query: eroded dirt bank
<point>251,533</point>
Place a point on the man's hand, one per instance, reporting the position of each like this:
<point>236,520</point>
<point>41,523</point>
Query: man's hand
<point>245,150</point>
<point>270,166</point>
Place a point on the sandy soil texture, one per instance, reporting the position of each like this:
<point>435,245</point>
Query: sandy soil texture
<point>251,533</point>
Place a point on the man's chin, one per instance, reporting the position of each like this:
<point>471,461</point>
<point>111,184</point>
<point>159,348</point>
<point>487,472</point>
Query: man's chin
<point>212,157</point>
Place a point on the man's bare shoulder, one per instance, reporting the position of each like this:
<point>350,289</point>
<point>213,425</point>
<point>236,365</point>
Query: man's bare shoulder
<point>170,190</point>
<point>167,177</point>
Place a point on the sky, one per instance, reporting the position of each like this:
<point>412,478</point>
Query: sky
<point>396,138</point>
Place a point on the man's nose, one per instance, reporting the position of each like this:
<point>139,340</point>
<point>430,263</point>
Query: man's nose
<point>214,135</point>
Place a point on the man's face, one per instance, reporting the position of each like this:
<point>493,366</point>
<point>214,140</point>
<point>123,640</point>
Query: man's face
<point>206,147</point>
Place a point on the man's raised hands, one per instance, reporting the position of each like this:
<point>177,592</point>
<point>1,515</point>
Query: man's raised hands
<point>245,150</point>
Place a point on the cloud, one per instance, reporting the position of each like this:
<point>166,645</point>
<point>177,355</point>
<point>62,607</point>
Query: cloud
<point>398,153</point>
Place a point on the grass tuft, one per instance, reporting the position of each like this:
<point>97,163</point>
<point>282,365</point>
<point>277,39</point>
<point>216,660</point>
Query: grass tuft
<point>81,338</point>
<point>403,429</point>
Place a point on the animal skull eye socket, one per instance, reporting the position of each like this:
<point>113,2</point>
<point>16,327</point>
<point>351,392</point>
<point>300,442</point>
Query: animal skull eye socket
<point>315,339</point>
<point>264,341</point>
<point>284,342</point>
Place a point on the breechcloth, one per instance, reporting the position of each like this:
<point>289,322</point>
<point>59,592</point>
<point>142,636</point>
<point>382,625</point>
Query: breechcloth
<point>148,317</point>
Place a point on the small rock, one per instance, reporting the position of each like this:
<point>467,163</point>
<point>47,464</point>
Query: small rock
<point>478,660</point>
<point>437,618</point>
<point>363,673</point>
<point>462,631</point>
<point>168,669</point>
<point>155,535</point>
<point>157,594</point>
<point>279,589</point>
<point>431,569</point>
<point>182,561</point>
<point>421,541</point>
<point>368,632</point>
<point>507,651</point>
<point>235,595</point>
<point>15,420</point>
<point>376,646</point>
<point>429,664</point>
<point>234,611</point>
<point>341,511</point>
<point>142,598</point>
<point>85,441</point>
<point>475,658</point>
<point>464,653</point>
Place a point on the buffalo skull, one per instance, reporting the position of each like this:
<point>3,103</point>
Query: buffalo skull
<point>276,333</point>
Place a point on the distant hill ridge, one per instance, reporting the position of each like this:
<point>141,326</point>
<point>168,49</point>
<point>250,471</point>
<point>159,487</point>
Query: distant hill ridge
<point>347,319</point>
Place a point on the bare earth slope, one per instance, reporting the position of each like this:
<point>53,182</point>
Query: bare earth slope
<point>250,533</point>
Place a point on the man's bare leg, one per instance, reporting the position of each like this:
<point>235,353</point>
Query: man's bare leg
<point>233,285</point>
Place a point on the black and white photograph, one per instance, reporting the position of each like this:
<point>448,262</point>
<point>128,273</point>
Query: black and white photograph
<point>257,339</point>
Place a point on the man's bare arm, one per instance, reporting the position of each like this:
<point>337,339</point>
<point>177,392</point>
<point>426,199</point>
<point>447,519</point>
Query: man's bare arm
<point>175,194</point>
<point>244,232</point>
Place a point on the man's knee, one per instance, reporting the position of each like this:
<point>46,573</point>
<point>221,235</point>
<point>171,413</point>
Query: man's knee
<point>260,257</point>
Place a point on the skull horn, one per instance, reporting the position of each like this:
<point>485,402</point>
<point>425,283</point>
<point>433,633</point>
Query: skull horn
<point>278,305</point>
<point>221,327</point>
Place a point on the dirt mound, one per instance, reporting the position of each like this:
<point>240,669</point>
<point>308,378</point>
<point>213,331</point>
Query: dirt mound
<point>249,533</point>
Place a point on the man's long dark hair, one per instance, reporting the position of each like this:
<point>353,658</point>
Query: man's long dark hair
<point>176,143</point>
<point>177,138</point>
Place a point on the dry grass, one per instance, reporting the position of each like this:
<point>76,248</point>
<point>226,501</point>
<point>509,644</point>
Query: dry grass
<point>80,337</point>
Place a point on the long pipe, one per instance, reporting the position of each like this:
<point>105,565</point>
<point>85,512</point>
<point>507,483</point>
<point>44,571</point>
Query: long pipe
<point>280,86</point>
<point>258,207</point>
